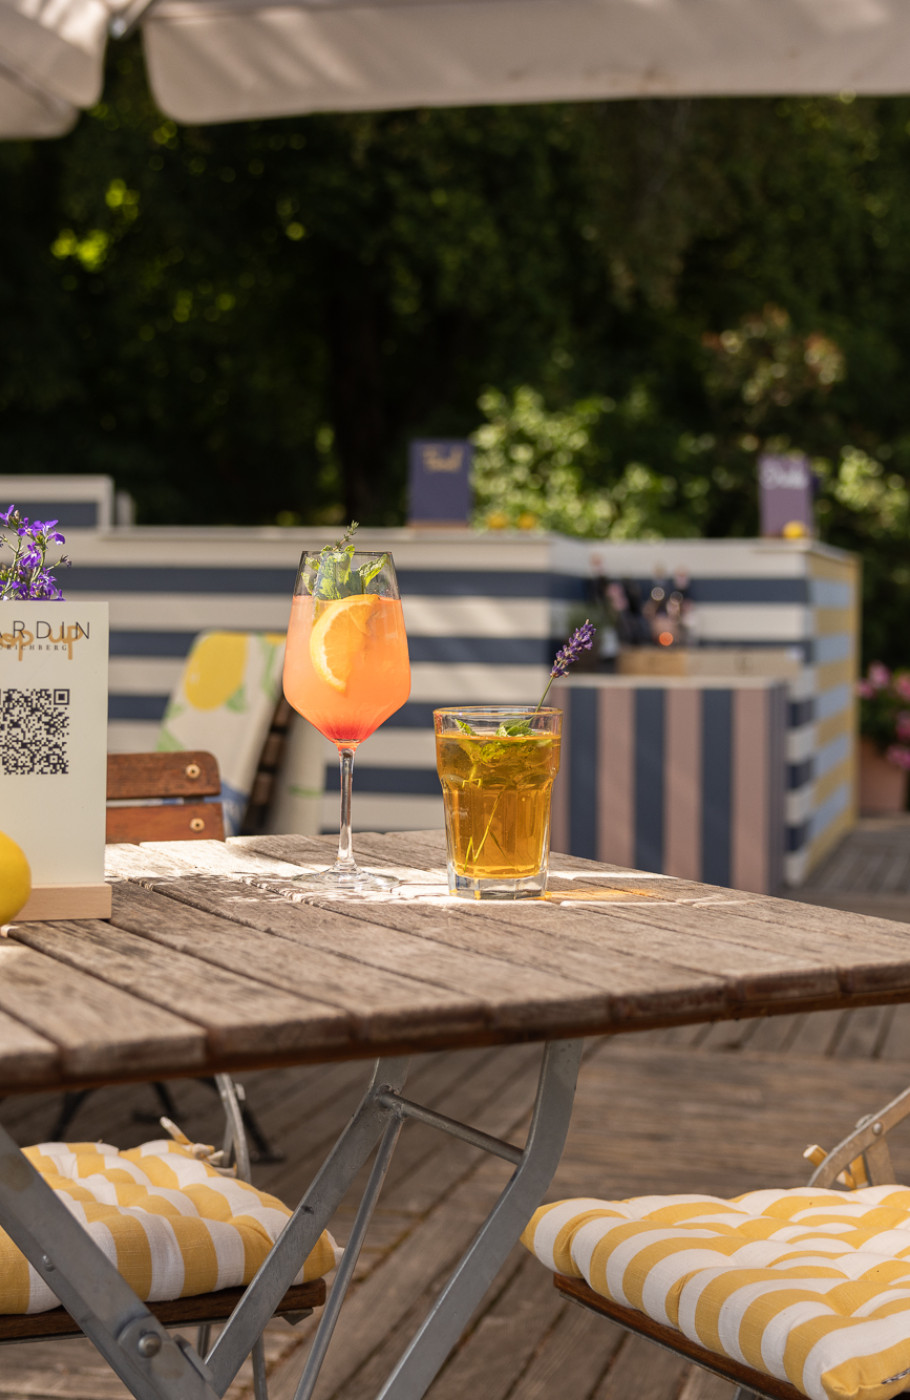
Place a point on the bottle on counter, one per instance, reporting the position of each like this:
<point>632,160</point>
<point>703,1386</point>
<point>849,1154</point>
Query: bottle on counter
<point>662,610</point>
<point>683,608</point>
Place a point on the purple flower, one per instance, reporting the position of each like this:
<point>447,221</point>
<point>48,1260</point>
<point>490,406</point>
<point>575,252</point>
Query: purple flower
<point>582,639</point>
<point>48,530</point>
<point>27,574</point>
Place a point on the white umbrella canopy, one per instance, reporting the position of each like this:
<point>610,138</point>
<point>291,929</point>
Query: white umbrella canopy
<point>27,112</point>
<point>228,60</point>
<point>51,63</point>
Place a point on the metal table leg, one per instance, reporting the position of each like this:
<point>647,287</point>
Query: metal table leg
<point>478,1267</point>
<point>155,1366</point>
<point>383,1109</point>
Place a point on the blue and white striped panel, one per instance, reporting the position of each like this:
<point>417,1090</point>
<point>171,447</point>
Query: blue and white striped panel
<point>76,502</point>
<point>679,777</point>
<point>484,615</point>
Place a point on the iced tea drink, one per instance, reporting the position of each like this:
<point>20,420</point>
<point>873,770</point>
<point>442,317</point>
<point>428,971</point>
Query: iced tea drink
<point>496,765</point>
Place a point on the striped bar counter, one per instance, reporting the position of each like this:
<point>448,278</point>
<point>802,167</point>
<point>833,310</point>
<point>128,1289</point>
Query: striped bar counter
<point>680,777</point>
<point>743,771</point>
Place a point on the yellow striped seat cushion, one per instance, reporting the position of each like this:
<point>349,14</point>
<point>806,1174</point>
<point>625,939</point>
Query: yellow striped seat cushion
<point>171,1223</point>
<point>811,1286</point>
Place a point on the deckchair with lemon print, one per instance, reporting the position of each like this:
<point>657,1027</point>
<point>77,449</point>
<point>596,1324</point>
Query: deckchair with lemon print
<point>224,702</point>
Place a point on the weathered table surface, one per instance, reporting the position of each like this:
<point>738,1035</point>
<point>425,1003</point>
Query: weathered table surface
<point>213,960</point>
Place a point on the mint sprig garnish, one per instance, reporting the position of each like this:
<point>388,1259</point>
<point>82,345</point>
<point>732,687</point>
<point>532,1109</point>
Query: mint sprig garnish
<point>334,575</point>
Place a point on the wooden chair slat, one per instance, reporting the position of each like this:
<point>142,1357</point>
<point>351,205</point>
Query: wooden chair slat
<point>188,1312</point>
<point>185,821</point>
<point>193,773</point>
<point>758,1381</point>
<point>144,778</point>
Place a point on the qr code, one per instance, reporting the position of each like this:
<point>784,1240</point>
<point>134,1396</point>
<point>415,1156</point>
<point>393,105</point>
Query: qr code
<point>34,731</point>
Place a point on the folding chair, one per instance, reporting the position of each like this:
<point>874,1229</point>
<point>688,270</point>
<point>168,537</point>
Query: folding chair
<point>174,797</point>
<point>95,1172</point>
<point>786,1294</point>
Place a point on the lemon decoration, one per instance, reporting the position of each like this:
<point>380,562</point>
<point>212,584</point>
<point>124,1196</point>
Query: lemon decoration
<point>216,669</point>
<point>339,634</point>
<point>15,879</point>
<point>795,530</point>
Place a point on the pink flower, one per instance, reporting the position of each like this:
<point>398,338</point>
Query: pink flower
<point>865,690</point>
<point>898,755</point>
<point>879,675</point>
<point>902,686</point>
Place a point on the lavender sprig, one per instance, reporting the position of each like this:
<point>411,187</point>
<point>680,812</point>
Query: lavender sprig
<point>28,574</point>
<point>582,639</point>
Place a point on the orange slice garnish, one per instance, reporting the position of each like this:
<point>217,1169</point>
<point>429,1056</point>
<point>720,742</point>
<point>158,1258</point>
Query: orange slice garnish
<point>339,634</point>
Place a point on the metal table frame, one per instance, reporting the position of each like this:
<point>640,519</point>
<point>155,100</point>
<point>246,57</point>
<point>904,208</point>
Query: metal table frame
<point>156,1366</point>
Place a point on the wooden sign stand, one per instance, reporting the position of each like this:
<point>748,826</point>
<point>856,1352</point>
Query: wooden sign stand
<point>66,902</point>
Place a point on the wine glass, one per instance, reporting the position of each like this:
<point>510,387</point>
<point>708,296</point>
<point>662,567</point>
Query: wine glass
<point>346,670</point>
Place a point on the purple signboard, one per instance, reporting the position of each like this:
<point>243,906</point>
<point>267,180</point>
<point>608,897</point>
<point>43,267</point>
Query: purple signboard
<point>439,481</point>
<point>785,492</point>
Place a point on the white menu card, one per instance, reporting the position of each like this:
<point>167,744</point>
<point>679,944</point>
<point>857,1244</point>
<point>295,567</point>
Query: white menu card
<point>53,751</point>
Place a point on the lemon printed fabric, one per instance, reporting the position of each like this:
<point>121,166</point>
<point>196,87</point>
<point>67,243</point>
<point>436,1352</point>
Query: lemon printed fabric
<point>172,1225</point>
<point>224,703</point>
<point>809,1285</point>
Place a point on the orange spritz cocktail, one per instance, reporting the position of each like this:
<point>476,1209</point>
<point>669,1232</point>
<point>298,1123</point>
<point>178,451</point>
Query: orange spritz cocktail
<point>346,666</point>
<point>346,669</point>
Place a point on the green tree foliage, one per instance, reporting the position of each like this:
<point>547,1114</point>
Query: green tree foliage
<point>625,301</point>
<point>247,322</point>
<point>531,466</point>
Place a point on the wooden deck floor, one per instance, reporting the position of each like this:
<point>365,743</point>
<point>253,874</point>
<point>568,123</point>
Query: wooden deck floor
<point>720,1109</point>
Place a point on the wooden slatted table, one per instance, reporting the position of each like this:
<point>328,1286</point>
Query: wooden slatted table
<point>215,960</point>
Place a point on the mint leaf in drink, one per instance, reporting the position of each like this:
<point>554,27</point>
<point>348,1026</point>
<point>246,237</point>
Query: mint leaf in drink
<point>517,727</point>
<point>332,568</point>
<point>368,572</point>
<point>334,575</point>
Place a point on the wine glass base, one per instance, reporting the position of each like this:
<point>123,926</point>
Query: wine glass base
<point>345,880</point>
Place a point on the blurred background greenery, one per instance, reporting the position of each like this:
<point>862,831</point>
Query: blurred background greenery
<point>622,303</point>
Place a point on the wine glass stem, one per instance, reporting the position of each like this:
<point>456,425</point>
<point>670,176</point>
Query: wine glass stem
<point>345,852</point>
